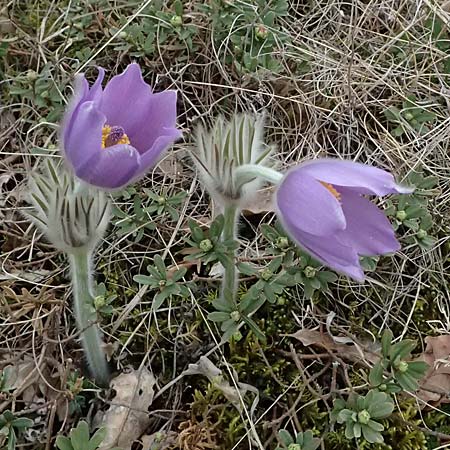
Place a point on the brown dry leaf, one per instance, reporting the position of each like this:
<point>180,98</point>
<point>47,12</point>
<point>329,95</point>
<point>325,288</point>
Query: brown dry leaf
<point>127,417</point>
<point>353,351</point>
<point>435,386</point>
<point>261,202</point>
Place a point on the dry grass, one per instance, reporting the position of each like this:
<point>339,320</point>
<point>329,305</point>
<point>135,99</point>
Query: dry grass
<point>361,57</point>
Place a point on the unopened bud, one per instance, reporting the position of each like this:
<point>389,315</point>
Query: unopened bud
<point>235,316</point>
<point>364,417</point>
<point>401,215</point>
<point>206,245</point>
<point>266,274</point>
<point>310,272</point>
<point>421,234</point>
<point>261,32</point>
<point>176,21</point>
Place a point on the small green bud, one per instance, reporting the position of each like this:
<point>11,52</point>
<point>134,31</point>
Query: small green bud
<point>78,25</point>
<point>382,387</point>
<point>237,336</point>
<point>122,35</point>
<point>421,234</point>
<point>162,284</point>
<point>402,366</point>
<point>235,315</point>
<point>266,274</point>
<point>261,32</point>
<point>176,21</point>
<point>401,215</point>
<point>310,272</point>
<point>409,116</point>
<point>294,447</point>
<point>99,302</point>
<point>161,200</point>
<point>32,75</point>
<point>281,301</point>
<point>282,242</point>
<point>363,417</point>
<point>206,245</point>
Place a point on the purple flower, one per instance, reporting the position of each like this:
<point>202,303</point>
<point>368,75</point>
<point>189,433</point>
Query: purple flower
<point>322,207</point>
<point>112,137</point>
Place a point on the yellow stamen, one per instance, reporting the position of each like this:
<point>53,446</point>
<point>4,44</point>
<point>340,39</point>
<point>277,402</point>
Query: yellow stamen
<point>332,189</point>
<point>106,132</point>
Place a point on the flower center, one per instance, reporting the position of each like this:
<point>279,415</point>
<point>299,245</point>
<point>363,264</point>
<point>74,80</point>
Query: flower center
<point>332,189</point>
<point>113,135</point>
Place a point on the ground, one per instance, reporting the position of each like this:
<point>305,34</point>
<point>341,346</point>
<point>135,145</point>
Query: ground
<point>360,80</point>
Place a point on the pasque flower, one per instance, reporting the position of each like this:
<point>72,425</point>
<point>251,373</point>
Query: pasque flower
<point>112,137</point>
<point>322,206</point>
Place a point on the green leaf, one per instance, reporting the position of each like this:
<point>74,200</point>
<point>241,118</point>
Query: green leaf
<point>371,436</point>
<point>63,443</point>
<point>255,329</point>
<point>144,279</point>
<point>22,422</point>
<point>398,131</point>
<point>218,316</point>
<point>12,439</point>
<point>222,305</point>
<point>406,381</point>
<point>392,114</point>
<point>386,340</point>
<point>376,374</point>
<point>79,436</point>
<point>285,437</point>
<point>97,439</point>
<point>159,263</point>
<point>178,7</point>
<point>417,369</point>
<point>401,350</point>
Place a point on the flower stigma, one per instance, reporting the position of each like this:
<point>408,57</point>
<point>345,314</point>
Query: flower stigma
<point>113,135</point>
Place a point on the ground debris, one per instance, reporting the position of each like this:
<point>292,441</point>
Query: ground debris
<point>127,418</point>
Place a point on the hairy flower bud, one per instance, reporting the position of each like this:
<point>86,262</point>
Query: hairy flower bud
<point>70,217</point>
<point>228,146</point>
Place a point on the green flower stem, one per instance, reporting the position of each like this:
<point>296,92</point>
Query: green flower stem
<point>230,278</point>
<point>86,315</point>
<point>255,170</point>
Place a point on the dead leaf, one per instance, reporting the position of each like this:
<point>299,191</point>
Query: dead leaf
<point>435,385</point>
<point>261,202</point>
<point>353,352</point>
<point>127,417</point>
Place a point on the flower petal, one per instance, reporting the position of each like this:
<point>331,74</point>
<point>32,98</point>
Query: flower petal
<point>80,90</point>
<point>82,93</point>
<point>368,229</point>
<point>370,179</point>
<point>160,113</point>
<point>306,204</point>
<point>112,167</point>
<point>152,155</point>
<point>84,137</point>
<point>336,254</point>
<point>126,101</point>
<point>95,92</point>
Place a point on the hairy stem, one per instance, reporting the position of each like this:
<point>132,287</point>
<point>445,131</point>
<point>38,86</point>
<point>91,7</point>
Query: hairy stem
<point>86,316</point>
<point>230,278</point>
<point>258,171</point>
